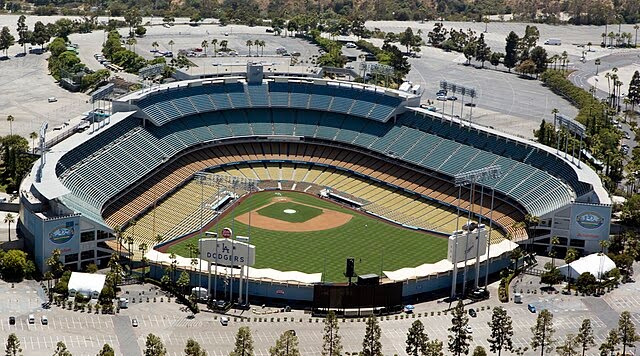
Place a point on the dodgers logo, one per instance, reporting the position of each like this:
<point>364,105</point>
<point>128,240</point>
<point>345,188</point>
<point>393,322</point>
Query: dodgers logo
<point>62,234</point>
<point>590,220</point>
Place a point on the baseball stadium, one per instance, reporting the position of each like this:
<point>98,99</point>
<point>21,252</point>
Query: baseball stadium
<point>310,173</point>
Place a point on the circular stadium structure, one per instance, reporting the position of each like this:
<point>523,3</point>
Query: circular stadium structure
<point>371,149</point>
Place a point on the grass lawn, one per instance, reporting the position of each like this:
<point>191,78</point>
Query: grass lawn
<point>302,214</point>
<point>374,244</point>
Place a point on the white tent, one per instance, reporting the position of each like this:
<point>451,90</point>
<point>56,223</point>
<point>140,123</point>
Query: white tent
<point>597,264</point>
<point>88,284</point>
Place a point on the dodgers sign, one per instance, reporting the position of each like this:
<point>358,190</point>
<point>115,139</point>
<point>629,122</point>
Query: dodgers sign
<point>227,252</point>
<point>590,220</point>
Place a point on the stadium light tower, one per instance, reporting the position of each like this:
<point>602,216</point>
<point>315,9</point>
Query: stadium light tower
<point>225,185</point>
<point>464,179</point>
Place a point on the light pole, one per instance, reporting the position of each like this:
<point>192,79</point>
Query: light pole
<point>463,179</point>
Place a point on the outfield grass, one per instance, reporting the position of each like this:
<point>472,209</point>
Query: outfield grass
<point>373,243</point>
<point>302,214</point>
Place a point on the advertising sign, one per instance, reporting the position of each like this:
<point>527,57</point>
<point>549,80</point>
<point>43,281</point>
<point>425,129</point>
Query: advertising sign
<point>227,252</point>
<point>467,244</point>
<point>62,234</point>
<point>590,221</point>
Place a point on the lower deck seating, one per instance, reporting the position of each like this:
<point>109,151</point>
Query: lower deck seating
<point>406,208</point>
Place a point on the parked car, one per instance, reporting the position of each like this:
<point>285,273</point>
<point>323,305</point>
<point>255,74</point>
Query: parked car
<point>224,321</point>
<point>134,322</point>
<point>44,320</point>
<point>472,313</point>
<point>12,320</point>
<point>52,99</point>
<point>32,319</point>
<point>531,308</point>
<point>469,329</point>
<point>350,45</point>
<point>441,98</point>
<point>452,98</point>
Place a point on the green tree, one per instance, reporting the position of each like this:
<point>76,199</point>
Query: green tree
<point>10,120</point>
<point>40,34</point>
<point>193,348</point>
<point>55,264</point>
<point>479,351</point>
<point>9,219</point>
<point>434,348</point>
<point>140,31</point>
<point>483,52</point>
<point>332,345</point>
<point>286,345</point>
<point>371,345</point>
<point>24,36</point>
<point>585,336</point>
<point>459,337</point>
<point>571,256</point>
<point>543,332</point>
<point>610,345</point>
<point>495,59</point>
<point>183,281</point>
<point>539,58</point>
<point>154,346</point>
<point>501,331</point>
<point>586,283</point>
<point>244,343</point>
<point>6,40</point>
<point>106,350</point>
<point>407,38</point>
<point>627,331</point>
<point>171,43</point>
<point>249,43</point>
<point>437,35</point>
<point>568,347</point>
<point>61,350</point>
<point>511,51</point>
<point>13,346</point>
<point>416,339</point>
<point>214,43</point>
<point>14,265</point>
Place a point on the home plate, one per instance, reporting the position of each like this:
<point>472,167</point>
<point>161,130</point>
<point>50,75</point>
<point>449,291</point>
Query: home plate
<point>289,211</point>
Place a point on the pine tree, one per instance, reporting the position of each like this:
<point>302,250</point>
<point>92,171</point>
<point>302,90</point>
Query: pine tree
<point>585,336</point>
<point>627,331</point>
<point>286,345</point>
<point>501,331</point>
<point>511,51</point>
<point>459,337</point>
<point>193,348</point>
<point>434,348</point>
<point>154,346</point>
<point>479,351</point>
<point>483,52</point>
<point>332,345</point>
<point>61,350</point>
<point>610,345</point>
<point>371,345</point>
<point>568,348</point>
<point>634,90</point>
<point>13,346</point>
<point>244,342</point>
<point>106,350</point>
<point>416,339</point>
<point>543,332</point>
<point>23,33</point>
<point>6,39</point>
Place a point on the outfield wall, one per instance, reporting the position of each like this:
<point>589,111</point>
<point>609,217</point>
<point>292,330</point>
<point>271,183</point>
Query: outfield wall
<point>298,294</point>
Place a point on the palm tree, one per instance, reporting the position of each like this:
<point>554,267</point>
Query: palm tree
<point>205,45</point>
<point>158,240</point>
<point>259,43</point>
<point>565,57</point>
<point>589,44</point>
<point>636,27</point>
<point>611,36</point>
<point>249,44</point>
<point>604,39</point>
<point>516,254</point>
<point>143,249</point>
<point>597,63</point>
<point>33,136</point>
<point>155,45</point>
<point>9,219</point>
<point>171,43</point>
<point>131,237</point>
<point>572,255</point>
<point>118,232</point>
<point>554,241</point>
<point>10,119</point>
<point>214,43</point>
<point>224,44</point>
<point>604,244</point>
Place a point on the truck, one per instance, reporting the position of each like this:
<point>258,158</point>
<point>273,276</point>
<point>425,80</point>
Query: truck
<point>200,293</point>
<point>553,42</point>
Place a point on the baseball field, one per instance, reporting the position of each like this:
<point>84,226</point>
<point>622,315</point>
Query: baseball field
<point>297,231</point>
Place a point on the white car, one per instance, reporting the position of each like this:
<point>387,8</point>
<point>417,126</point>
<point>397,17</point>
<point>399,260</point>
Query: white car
<point>441,98</point>
<point>224,321</point>
<point>52,99</point>
<point>469,329</point>
<point>44,320</point>
<point>350,45</point>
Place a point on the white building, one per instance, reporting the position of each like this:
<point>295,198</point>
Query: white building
<point>88,284</point>
<point>597,264</point>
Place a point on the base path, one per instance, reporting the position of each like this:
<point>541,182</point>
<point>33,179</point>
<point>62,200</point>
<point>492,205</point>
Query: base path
<point>329,219</point>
